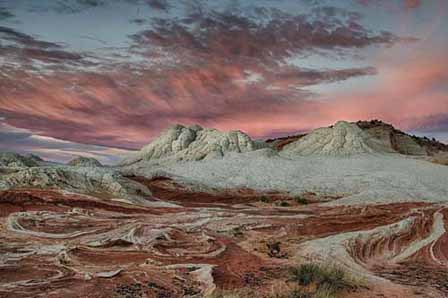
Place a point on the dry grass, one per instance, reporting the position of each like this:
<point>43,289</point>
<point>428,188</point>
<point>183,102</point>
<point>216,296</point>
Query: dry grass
<point>440,158</point>
<point>238,293</point>
<point>306,281</point>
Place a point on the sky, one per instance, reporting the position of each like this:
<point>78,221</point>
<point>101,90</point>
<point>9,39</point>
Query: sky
<point>101,78</point>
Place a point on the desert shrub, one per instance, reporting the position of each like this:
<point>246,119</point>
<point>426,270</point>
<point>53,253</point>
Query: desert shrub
<point>306,281</point>
<point>305,274</point>
<point>283,204</point>
<point>299,294</point>
<point>324,292</point>
<point>265,199</point>
<point>329,280</point>
<point>236,232</point>
<point>300,200</point>
<point>334,279</point>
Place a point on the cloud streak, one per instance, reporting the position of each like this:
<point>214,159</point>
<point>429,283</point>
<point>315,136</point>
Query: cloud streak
<point>23,141</point>
<point>229,69</point>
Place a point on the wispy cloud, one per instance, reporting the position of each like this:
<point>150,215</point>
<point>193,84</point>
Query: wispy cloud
<point>24,141</point>
<point>236,68</point>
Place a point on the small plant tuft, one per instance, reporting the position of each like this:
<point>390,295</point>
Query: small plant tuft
<point>299,294</point>
<point>283,204</point>
<point>329,280</point>
<point>265,199</point>
<point>305,274</point>
<point>236,232</point>
<point>301,200</point>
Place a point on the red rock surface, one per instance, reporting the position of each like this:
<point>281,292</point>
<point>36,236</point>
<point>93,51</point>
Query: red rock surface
<point>65,245</point>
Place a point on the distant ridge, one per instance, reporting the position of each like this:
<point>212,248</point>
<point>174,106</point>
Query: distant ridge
<point>400,141</point>
<point>390,137</point>
<point>342,139</point>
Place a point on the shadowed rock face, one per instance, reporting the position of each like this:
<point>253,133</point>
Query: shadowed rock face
<point>388,136</point>
<point>68,245</point>
<point>395,139</point>
<point>84,162</point>
<point>280,143</point>
<point>181,143</point>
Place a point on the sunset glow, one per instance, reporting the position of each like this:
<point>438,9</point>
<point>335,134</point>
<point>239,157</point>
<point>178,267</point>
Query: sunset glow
<point>102,75</point>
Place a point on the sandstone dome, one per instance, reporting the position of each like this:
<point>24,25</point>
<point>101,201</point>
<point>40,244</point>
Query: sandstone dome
<point>190,143</point>
<point>82,161</point>
<point>342,139</point>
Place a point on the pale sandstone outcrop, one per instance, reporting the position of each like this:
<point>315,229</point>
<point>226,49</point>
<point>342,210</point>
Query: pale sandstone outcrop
<point>82,161</point>
<point>342,139</point>
<point>15,160</point>
<point>182,143</point>
<point>81,180</point>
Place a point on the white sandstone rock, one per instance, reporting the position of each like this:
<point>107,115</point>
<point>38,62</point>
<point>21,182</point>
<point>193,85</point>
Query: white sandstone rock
<point>78,180</point>
<point>14,160</point>
<point>342,139</point>
<point>181,143</point>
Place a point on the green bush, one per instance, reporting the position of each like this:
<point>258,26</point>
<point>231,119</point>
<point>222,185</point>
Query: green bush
<point>265,199</point>
<point>283,204</point>
<point>329,280</point>
<point>305,274</point>
<point>324,281</point>
<point>301,200</point>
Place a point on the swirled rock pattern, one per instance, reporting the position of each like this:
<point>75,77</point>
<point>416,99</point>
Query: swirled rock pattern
<point>102,182</point>
<point>61,244</point>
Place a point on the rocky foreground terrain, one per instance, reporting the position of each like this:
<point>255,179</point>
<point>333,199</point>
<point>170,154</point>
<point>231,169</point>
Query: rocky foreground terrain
<point>352,210</point>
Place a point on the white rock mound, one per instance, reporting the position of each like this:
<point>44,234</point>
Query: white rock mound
<point>14,160</point>
<point>342,139</point>
<point>78,180</point>
<point>82,161</point>
<point>192,143</point>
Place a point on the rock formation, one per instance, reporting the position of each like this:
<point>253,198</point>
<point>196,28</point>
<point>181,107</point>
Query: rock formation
<point>182,143</point>
<point>82,180</point>
<point>440,158</point>
<point>342,139</point>
<point>82,161</point>
<point>279,143</point>
<point>393,138</point>
<point>14,160</point>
